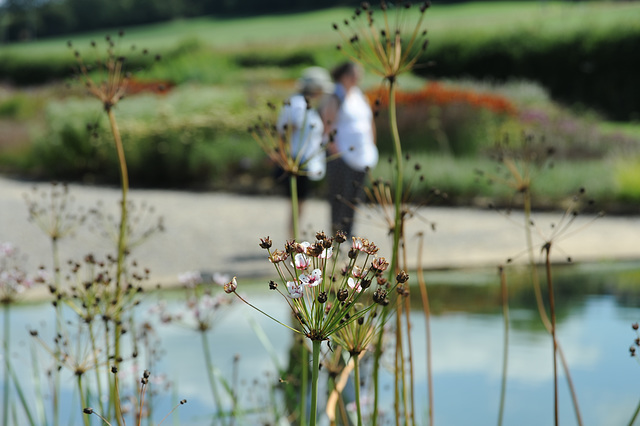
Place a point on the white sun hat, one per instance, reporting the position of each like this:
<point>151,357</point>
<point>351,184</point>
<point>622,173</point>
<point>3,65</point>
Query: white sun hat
<point>315,79</point>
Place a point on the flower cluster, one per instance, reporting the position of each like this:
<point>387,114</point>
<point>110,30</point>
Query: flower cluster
<point>289,148</point>
<point>115,79</point>
<point>386,46</point>
<point>324,295</point>
<point>13,280</point>
<point>439,95</point>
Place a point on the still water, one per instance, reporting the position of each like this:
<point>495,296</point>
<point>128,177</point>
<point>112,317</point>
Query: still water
<point>596,306</point>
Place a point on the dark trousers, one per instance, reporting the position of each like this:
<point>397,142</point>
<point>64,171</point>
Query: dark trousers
<point>345,191</point>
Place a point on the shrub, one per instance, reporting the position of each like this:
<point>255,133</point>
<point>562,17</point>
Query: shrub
<point>438,118</point>
<point>596,68</point>
<point>188,137</point>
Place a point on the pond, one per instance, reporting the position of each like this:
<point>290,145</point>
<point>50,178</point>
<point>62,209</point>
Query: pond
<point>596,306</point>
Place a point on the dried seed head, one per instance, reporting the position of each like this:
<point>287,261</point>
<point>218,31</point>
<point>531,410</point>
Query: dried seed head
<point>402,277</point>
<point>342,294</point>
<point>322,297</point>
<point>266,243</point>
<point>340,237</point>
<point>273,285</point>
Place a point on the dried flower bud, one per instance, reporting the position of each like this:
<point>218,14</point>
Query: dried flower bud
<point>322,297</point>
<point>231,286</point>
<point>379,264</point>
<point>342,294</point>
<point>402,277</point>
<point>87,410</point>
<point>380,296</point>
<point>266,243</point>
<point>273,285</point>
<point>365,284</point>
<point>635,326</point>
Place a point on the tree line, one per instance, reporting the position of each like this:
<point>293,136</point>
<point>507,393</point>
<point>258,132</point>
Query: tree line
<point>33,19</point>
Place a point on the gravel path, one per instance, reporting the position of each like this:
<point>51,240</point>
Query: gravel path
<point>218,232</point>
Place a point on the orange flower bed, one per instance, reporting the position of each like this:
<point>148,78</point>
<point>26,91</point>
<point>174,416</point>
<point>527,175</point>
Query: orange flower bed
<point>436,93</point>
<point>137,86</point>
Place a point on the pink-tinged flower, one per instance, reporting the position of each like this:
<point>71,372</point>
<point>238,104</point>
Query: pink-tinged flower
<point>358,272</point>
<point>326,253</point>
<point>302,262</point>
<point>379,264</point>
<point>231,286</point>
<point>190,279</point>
<point>278,256</point>
<point>312,279</point>
<point>355,285</point>
<point>302,247</point>
<point>295,288</point>
<point>358,243</point>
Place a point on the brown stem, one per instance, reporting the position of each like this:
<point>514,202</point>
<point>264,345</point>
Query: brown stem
<point>427,317</point>
<point>552,311</point>
<point>122,243</point>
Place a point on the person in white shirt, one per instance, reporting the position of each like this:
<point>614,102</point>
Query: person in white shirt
<point>348,117</point>
<point>300,125</point>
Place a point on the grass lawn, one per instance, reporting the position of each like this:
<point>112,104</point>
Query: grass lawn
<point>314,28</point>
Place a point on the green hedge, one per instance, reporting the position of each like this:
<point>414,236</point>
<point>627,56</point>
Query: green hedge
<point>598,69</point>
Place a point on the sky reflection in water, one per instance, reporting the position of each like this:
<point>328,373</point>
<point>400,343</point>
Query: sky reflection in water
<point>594,331</point>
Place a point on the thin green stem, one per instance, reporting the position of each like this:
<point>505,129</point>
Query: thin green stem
<point>356,378</point>
<point>304,356</point>
<point>635,415</point>
<point>7,362</point>
<point>209,365</point>
<point>83,399</point>
<point>552,311</point>
<point>295,207</point>
<point>122,237</point>
<point>314,382</point>
<point>397,228</point>
<point>505,353</point>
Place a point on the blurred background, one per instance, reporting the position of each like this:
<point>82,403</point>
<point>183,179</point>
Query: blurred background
<point>558,79</point>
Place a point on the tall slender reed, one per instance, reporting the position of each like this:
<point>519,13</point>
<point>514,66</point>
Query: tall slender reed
<point>504,291</point>
<point>427,316</point>
<point>379,46</point>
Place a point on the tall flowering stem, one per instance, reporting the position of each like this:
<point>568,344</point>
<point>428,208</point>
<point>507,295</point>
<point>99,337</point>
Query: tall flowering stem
<point>388,47</point>
<point>109,88</point>
<point>552,313</point>
<point>324,296</point>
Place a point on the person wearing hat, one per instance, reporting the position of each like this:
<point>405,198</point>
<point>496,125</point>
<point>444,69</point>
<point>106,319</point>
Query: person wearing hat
<point>301,127</point>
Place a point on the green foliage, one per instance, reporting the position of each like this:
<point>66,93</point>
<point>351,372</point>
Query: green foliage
<point>627,179</point>
<point>586,60</point>
<point>192,136</point>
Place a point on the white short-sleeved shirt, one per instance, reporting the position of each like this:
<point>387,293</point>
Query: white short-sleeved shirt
<point>354,134</point>
<point>305,128</point>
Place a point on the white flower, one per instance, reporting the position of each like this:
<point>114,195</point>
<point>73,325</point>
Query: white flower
<point>302,261</point>
<point>326,253</point>
<point>355,285</point>
<point>312,279</point>
<point>295,289</point>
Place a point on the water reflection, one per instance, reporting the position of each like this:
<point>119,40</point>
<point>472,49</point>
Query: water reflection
<point>597,304</point>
